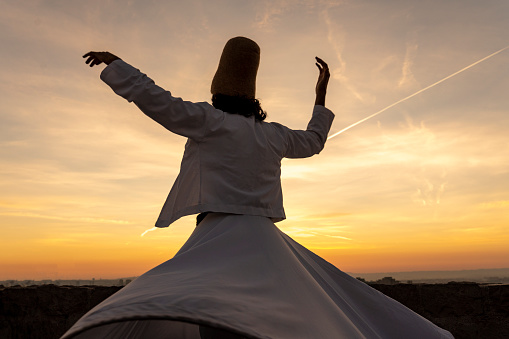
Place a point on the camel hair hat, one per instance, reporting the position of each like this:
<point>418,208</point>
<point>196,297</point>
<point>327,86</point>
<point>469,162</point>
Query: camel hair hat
<point>236,73</point>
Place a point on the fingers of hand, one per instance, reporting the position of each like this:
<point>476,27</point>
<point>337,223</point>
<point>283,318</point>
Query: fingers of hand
<point>93,61</point>
<point>94,58</point>
<point>91,56</point>
<point>323,67</point>
<point>322,63</point>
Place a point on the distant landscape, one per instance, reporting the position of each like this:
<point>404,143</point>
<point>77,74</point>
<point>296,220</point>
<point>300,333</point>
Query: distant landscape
<point>68,282</point>
<point>493,276</point>
<point>486,276</point>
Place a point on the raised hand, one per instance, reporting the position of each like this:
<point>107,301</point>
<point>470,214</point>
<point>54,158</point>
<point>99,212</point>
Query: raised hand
<point>323,81</point>
<point>96,58</point>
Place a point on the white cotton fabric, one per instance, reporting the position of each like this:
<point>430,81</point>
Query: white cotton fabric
<point>221,168</point>
<point>242,274</point>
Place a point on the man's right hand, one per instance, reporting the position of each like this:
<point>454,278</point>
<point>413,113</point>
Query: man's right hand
<point>323,81</point>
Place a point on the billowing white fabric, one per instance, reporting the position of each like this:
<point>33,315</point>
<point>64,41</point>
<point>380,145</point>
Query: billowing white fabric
<point>231,163</point>
<point>242,274</point>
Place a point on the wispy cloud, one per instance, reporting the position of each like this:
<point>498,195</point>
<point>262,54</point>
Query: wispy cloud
<point>407,77</point>
<point>429,193</point>
<point>90,220</point>
<point>149,230</point>
<point>270,10</point>
<point>308,232</point>
<point>337,39</point>
<point>501,204</point>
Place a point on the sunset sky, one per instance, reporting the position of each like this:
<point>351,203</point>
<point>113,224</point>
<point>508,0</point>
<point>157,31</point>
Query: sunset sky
<point>422,186</point>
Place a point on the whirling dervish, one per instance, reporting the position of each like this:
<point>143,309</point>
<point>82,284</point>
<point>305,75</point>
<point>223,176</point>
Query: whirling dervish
<point>238,275</point>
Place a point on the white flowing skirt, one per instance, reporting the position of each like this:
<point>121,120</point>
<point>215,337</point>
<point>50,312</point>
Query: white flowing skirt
<point>242,275</point>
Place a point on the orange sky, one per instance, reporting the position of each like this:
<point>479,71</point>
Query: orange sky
<point>423,186</point>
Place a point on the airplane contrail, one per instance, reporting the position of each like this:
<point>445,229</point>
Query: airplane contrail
<point>418,92</point>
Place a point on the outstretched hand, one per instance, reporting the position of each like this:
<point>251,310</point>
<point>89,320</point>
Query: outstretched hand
<point>323,81</point>
<point>97,58</point>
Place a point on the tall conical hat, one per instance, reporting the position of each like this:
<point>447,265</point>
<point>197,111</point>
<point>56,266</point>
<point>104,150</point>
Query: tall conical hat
<point>236,73</point>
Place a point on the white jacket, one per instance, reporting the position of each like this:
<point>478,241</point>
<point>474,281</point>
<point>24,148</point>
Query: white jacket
<point>231,164</point>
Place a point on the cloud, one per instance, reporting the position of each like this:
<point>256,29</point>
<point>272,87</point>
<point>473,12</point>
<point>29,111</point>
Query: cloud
<point>428,193</point>
<point>337,39</point>
<point>324,216</point>
<point>270,10</point>
<point>90,220</point>
<point>319,234</point>
<point>501,204</point>
<point>149,230</point>
<point>407,77</point>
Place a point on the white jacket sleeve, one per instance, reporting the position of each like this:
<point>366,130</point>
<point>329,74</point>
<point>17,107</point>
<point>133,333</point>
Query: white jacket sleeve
<point>191,120</point>
<point>303,144</point>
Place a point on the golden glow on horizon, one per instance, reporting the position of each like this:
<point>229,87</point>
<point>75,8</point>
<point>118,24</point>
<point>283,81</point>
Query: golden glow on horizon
<point>83,174</point>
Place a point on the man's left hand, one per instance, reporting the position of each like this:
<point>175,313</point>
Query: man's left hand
<point>97,58</point>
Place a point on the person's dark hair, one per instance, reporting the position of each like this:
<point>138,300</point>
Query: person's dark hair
<point>239,105</point>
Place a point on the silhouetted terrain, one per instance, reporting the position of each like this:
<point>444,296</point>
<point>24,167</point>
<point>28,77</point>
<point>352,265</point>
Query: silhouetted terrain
<point>468,310</point>
<point>492,276</point>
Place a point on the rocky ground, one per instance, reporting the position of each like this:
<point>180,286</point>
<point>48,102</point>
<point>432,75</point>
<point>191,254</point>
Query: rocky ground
<point>467,310</point>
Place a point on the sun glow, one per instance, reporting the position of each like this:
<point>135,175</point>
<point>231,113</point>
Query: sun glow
<point>83,174</point>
